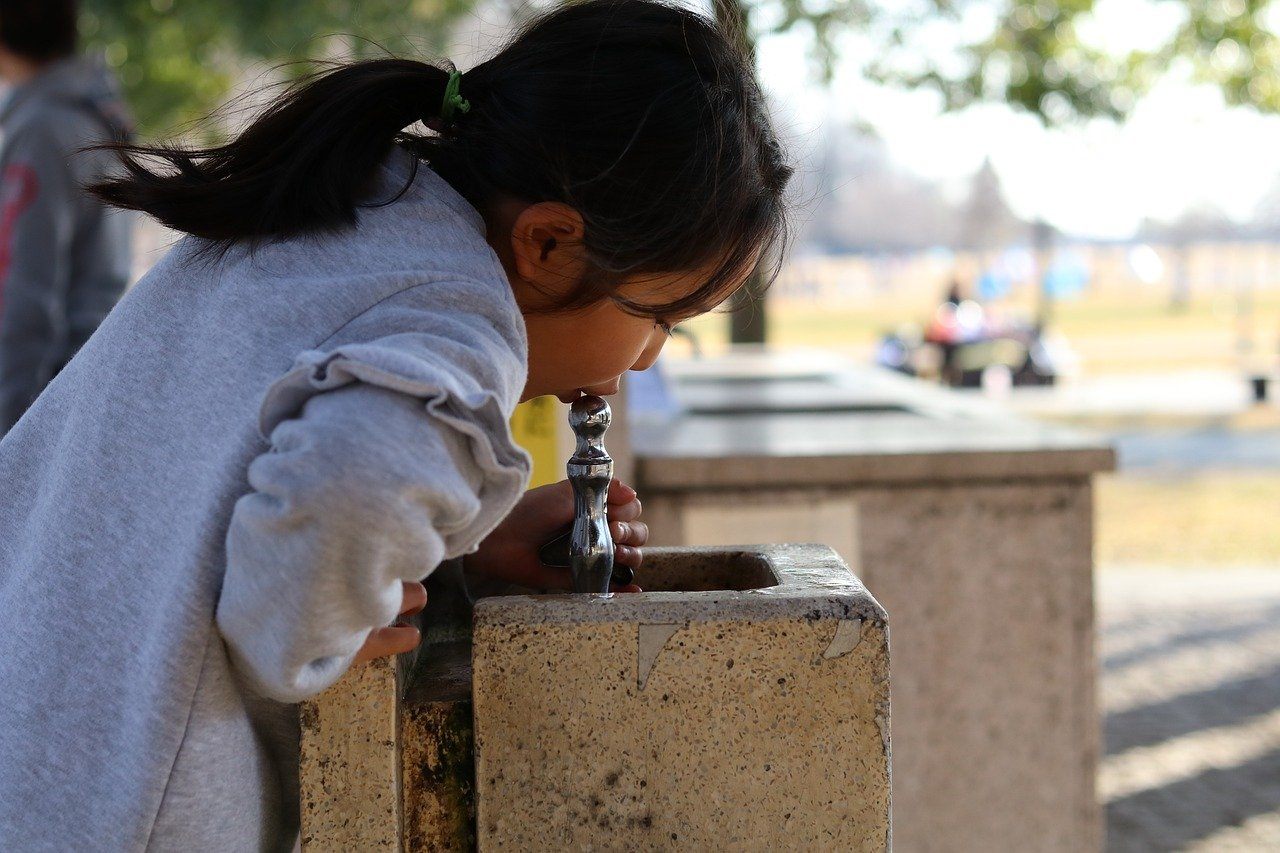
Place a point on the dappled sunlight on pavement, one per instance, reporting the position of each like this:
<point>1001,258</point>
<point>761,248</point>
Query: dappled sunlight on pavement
<point>1190,689</point>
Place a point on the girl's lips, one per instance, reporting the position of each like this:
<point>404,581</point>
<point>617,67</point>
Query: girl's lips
<point>598,390</point>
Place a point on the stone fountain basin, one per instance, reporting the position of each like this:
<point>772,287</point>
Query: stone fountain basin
<point>742,700</point>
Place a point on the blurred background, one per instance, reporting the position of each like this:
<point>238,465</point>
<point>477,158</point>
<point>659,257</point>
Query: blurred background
<point>1069,209</point>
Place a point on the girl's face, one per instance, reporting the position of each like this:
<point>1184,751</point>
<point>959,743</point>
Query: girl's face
<point>586,350</point>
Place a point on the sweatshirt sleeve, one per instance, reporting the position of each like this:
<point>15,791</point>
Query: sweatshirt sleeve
<point>365,487</point>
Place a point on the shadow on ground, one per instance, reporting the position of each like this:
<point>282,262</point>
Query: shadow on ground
<point>1190,688</point>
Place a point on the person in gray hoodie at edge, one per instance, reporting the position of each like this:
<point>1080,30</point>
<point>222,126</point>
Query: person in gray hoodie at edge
<point>64,256</point>
<point>229,494</point>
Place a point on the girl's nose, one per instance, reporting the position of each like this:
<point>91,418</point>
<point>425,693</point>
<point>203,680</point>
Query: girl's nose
<point>651,352</point>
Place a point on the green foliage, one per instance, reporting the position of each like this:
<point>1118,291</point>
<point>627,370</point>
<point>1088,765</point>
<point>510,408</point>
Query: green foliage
<point>178,59</point>
<point>1230,44</point>
<point>1032,53</point>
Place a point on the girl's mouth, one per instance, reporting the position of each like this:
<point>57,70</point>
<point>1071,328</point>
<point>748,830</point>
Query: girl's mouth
<point>603,390</point>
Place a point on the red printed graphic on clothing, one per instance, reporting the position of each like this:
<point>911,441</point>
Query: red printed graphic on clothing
<point>18,189</point>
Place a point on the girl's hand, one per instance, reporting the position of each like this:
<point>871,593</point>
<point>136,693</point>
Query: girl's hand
<point>510,553</point>
<point>396,639</point>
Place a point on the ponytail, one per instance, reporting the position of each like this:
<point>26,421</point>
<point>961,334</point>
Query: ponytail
<point>640,115</point>
<point>302,166</point>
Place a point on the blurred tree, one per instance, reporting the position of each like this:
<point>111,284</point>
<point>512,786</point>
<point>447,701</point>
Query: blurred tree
<point>1201,223</point>
<point>1040,55</point>
<point>178,60</point>
<point>986,220</point>
<point>1266,216</point>
<point>862,202</point>
<point>746,306</point>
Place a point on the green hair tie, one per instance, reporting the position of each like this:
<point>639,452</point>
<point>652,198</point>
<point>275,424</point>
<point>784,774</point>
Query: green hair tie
<point>452,99</point>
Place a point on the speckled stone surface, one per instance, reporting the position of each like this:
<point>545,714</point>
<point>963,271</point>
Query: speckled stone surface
<point>749,717</point>
<point>349,772</point>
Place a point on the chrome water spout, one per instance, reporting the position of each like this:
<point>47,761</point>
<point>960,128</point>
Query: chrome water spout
<point>585,547</point>
<point>590,471</point>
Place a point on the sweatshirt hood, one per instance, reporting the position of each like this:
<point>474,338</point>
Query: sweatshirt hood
<point>81,83</point>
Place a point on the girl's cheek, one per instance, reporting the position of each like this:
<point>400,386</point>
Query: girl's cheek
<point>600,360</point>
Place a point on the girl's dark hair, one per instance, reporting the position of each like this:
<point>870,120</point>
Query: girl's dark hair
<point>40,30</point>
<point>643,117</point>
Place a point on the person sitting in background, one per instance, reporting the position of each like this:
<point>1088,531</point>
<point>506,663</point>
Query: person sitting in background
<point>64,258</point>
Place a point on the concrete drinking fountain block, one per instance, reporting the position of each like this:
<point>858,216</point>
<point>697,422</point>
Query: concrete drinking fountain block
<point>740,702</point>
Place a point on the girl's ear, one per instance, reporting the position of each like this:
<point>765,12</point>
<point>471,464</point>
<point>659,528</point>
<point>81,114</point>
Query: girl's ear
<point>547,247</point>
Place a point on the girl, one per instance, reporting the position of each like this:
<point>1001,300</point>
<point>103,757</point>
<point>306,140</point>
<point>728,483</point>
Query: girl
<point>302,410</point>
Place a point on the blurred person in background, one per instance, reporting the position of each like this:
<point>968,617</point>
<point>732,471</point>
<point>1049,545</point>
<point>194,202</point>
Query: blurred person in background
<point>64,257</point>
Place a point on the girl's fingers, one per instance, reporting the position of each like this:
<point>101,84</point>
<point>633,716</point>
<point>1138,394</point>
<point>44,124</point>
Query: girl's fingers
<point>629,511</point>
<point>620,493</point>
<point>639,534</point>
<point>629,533</point>
<point>383,642</point>
<point>396,639</point>
<point>628,556</point>
<point>414,598</point>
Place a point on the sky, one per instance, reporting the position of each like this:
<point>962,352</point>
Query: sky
<point>1181,147</point>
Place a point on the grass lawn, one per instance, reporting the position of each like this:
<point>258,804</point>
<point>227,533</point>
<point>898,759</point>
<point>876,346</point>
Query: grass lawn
<point>1113,332</point>
<point>1218,518</point>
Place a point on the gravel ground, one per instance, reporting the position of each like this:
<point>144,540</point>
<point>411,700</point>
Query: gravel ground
<point>1190,688</point>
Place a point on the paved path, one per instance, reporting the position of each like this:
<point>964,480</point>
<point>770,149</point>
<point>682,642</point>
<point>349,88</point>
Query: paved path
<point>1182,422</point>
<point>1186,393</point>
<point>1190,686</point>
<point>1184,451</point>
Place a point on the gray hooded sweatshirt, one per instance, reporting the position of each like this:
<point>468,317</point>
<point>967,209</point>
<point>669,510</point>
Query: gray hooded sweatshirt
<point>64,257</point>
<point>210,507</point>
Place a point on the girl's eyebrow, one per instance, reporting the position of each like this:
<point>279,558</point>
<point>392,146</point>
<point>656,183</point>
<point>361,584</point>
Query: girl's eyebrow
<point>674,319</point>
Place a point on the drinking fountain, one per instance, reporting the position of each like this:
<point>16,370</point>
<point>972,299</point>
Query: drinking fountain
<point>740,702</point>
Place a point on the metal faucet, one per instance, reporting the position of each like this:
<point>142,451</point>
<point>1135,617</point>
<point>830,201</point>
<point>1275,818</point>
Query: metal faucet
<point>590,471</point>
<point>586,548</point>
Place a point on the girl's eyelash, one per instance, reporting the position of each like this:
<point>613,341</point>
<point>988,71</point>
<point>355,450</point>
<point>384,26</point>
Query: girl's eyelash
<point>666,327</point>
